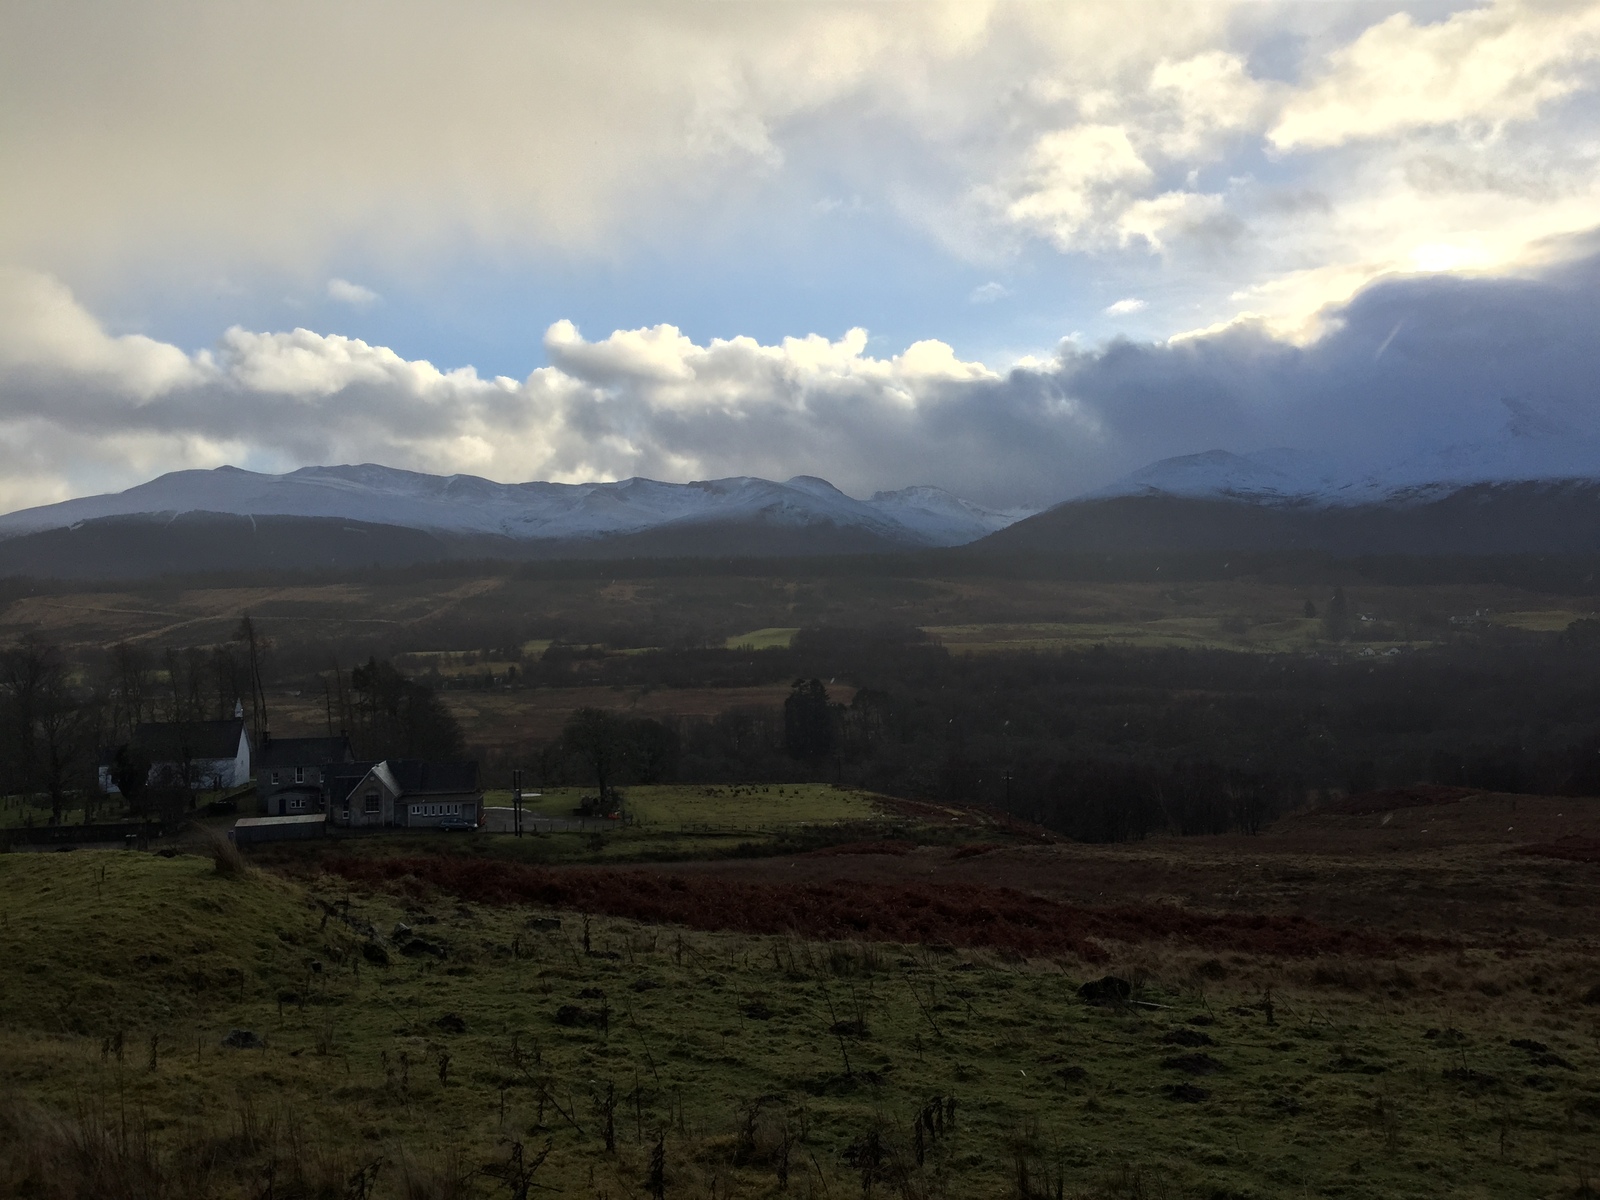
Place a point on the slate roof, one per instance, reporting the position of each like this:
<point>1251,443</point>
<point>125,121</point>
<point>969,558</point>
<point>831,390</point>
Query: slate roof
<point>340,779</point>
<point>418,778</point>
<point>405,777</point>
<point>167,741</point>
<point>302,752</point>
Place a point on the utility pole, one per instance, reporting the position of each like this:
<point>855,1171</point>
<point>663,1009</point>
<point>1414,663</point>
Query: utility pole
<point>516,800</point>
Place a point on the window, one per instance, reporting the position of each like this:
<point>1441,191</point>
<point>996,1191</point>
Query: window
<point>274,777</point>
<point>416,810</point>
<point>297,804</point>
<point>299,774</point>
<point>373,804</point>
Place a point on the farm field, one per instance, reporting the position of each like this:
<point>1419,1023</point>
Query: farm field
<point>516,717</point>
<point>451,616</point>
<point>1378,1001</point>
<point>762,639</point>
<point>1194,633</point>
<point>684,807</point>
<point>487,1043</point>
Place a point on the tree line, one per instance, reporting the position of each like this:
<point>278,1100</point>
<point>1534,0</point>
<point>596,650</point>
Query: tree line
<point>1120,742</point>
<point>62,720</point>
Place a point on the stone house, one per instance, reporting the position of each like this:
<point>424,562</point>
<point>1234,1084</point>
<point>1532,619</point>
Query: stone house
<point>289,772</point>
<point>402,793</point>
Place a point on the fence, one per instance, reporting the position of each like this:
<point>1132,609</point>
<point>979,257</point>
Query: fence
<point>118,833</point>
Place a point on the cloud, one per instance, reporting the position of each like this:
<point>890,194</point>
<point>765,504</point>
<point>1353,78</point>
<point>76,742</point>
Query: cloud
<point>988,293</point>
<point>505,135</point>
<point>1123,308</point>
<point>1482,68</point>
<point>352,294</point>
<point>1077,182</point>
<point>279,136</point>
<point>1411,365</point>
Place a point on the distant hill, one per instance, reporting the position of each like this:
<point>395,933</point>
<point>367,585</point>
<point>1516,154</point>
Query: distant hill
<point>466,504</point>
<point>135,547</point>
<point>1537,517</point>
<point>229,519</point>
<point>1215,503</point>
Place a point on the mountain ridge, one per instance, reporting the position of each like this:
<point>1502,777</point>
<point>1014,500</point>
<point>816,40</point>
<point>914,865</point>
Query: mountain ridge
<point>530,512</point>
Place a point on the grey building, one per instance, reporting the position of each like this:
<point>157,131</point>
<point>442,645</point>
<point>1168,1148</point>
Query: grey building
<point>402,793</point>
<point>290,771</point>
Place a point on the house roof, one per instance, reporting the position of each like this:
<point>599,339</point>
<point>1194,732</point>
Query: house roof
<point>302,752</point>
<point>342,778</point>
<point>174,741</point>
<point>404,777</point>
<point>417,778</point>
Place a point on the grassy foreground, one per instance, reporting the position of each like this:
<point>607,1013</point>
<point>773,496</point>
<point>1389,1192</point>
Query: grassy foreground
<point>493,1052</point>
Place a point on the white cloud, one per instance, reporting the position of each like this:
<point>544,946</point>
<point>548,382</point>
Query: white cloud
<point>1123,308</point>
<point>498,135</point>
<point>1482,68</point>
<point>1076,182</point>
<point>1412,364</point>
<point>353,294</point>
<point>643,401</point>
<point>988,293</point>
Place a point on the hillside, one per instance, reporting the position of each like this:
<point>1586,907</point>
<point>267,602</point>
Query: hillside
<point>1556,517</point>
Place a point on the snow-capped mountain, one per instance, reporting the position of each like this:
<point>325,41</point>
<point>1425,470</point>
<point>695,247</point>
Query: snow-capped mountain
<point>1300,479</point>
<point>526,512</point>
<point>1279,477</point>
<point>1518,496</point>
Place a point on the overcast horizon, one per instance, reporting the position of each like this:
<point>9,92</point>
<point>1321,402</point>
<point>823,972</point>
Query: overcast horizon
<point>1015,251</point>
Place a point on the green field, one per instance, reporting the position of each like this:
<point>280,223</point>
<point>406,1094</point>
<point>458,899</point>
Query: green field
<point>763,639</point>
<point>122,974</point>
<point>1202,632</point>
<point>687,807</point>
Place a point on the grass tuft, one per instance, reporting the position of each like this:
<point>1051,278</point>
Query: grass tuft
<point>229,862</point>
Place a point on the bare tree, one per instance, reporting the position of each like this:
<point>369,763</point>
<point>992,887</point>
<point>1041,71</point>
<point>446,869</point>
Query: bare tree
<point>129,683</point>
<point>230,679</point>
<point>595,736</point>
<point>256,648</point>
<point>185,699</point>
<point>21,683</point>
<point>49,730</point>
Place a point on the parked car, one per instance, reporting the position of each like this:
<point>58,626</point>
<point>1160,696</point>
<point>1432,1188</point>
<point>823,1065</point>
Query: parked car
<point>458,824</point>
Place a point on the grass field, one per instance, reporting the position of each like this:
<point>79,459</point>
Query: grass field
<point>430,617</point>
<point>1208,632</point>
<point>754,1062</point>
<point>1193,633</point>
<point>762,639</point>
<point>689,806</point>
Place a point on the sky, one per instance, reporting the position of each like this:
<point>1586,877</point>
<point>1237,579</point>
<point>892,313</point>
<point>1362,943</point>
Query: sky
<point>1012,250</point>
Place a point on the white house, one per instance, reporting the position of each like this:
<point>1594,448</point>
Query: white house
<point>194,754</point>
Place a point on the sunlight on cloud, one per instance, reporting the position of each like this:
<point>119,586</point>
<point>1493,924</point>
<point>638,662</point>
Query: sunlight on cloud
<point>1483,67</point>
<point>1213,159</point>
<point>1077,180</point>
<point>352,294</point>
